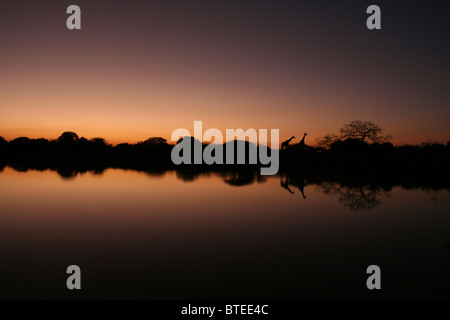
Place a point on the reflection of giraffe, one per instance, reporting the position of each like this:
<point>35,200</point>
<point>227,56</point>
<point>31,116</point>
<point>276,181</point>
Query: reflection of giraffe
<point>301,187</point>
<point>286,143</point>
<point>285,184</point>
<point>287,181</point>
<point>302,142</point>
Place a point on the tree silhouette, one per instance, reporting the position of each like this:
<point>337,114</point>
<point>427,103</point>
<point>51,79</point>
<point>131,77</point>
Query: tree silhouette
<point>21,141</point>
<point>327,140</point>
<point>100,142</point>
<point>154,142</point>
<point>3,142</point>
<point>363,130</point>
<point>68,137</point>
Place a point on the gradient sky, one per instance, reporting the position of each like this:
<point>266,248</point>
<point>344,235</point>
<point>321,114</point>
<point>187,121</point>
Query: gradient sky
<point>139,69</point>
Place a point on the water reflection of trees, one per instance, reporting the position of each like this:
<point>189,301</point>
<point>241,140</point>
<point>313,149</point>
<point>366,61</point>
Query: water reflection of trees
<point>356,198</point>
<point>235,178</point>
<point>355,192</point>
<point>241,177</point>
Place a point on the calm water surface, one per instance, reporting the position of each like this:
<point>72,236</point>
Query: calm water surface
<point>173,236</point>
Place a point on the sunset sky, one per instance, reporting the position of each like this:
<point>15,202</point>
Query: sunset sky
<point>139,69</point>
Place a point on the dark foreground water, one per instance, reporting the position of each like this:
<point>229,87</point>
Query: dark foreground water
<point>172,236</point>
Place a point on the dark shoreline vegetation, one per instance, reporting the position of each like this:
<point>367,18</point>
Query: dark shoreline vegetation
<point>347,159</point>
<point>354,170</point>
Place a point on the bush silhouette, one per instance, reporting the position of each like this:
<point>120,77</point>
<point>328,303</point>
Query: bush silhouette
<point>68,137</point>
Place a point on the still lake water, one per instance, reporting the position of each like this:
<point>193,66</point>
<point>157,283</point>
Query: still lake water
<point>171,236</point>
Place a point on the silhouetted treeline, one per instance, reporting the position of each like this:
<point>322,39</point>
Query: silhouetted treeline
<point>70,150</point>
<point>359,174</point>
<point>354,157</point>
<point>350,157</point>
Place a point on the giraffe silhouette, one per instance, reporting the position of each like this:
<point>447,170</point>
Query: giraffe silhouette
<point>302,142</point>
<point>286,143</point>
